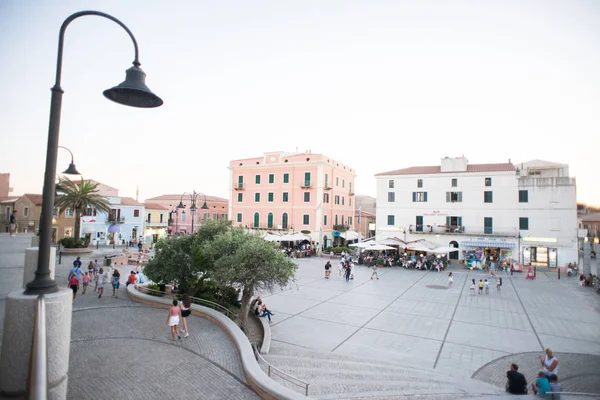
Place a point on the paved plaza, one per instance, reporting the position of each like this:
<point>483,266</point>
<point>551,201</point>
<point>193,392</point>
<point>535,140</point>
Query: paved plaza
<point>412,318</point>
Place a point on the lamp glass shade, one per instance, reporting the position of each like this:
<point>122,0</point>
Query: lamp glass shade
<point>71,170</point>
<point>180,205</point>
<point>133,91</point>
<point>193,207</point>
<point>204,206</point>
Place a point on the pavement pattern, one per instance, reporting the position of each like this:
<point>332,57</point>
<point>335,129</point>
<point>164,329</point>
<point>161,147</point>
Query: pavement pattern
<point>122,350</point>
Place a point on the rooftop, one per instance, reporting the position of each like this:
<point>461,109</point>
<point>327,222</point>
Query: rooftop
<point>128,201</point>
<point>436,169</point>
<point>35,198</point>
<point>150,206</point>
<point>177,197</point>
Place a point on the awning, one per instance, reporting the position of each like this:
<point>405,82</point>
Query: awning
<point>488,244</point>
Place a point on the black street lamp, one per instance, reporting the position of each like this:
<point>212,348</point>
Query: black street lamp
<point>193,198</point>
<point>132,92</point>
<point>71,170</point>
<point>519,244</point>
<point>174,211</point>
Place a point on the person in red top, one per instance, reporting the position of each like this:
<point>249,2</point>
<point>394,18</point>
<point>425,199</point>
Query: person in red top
<point>74,284</point>
<point>86,281</point>
<point>131,279</point>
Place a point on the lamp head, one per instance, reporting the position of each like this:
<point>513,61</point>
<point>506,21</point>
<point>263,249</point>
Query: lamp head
<point>204,206</point>
<point>193,207</point>
<point>71,170</point>
<point>133,91</point>
<point>180,205</point>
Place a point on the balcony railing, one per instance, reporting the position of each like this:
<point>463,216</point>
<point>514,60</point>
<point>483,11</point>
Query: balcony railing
<point>464,230</point>
<point>115,220</point>
<point>306,184</point>
<point>545,182</point>
<point>156,224</point>
<point>341,228</point>
<point>239,186</point>
<point>351,192</point>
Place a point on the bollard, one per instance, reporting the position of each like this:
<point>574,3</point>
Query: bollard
<point>60,257</point>
<point>97,242</point>
<point>534,271</point>
<point>558,273</point>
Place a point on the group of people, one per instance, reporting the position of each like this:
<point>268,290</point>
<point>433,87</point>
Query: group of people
<point>482,287</point>
<point>179,311</point>
<point>100,277</point>
<point>546,384</point>
<point>260,308</point>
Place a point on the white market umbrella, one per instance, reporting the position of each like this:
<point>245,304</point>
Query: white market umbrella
<point>391,242</point>
<point>362,245</point>
<point>444,250</point>
<point>419,247</point>
<point>293,237</point>
<point>377,246</point>
<point>269,237</point>
<point>351,235</point>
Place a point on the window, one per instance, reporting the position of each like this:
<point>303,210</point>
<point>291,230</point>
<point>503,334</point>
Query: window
<point>26,211</point>
<point>286,178</point>
<point>350,187</point>
<point>342,200</point>
<point>391,183</point>
<point>523,196</point>
<point>256,219</point>
<point>419,183</point>
<point>391,197</point>
<point>240,182</point>
<point>285,197</point>
<point>324,219</point>
<point>307,197</point>
<point>419,224</point>
<point>239,217</point>
<point>488,181</point>
<point>215,216</point>
<point>136,213</point>
<point>257,197</point>
<point>204,216</point>
<point>419,197</point>
<point>223,217</point>
<point>68,212</point>
<point>488,197</point>
<point>149,218</point>
<point>240,197</point>
<point>391,220</point>
<point>350,201</point>
<point>336,219</point>
<point>271,178</point>
<point>55,212</point>
<point>454,182</point>
<point>343,183</point>
<point>325,197</point>
<point>349,220</point>
<point>270,220</point>
<point>524,223</point>
<point>487,226</point>
<point>453,197</point>
<point>258,179</point>
<point>454,224</point>
<point>307,179</point>
<point>337,181</point>
<point>326,180</point>
<point>160,218</point>
<point>270,197</point>
<point>284,221</point>
<point>305,219</point>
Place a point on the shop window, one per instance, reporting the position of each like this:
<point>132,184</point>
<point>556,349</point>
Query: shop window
<point>488,197</point>
<point>391,197</point>
<point>240,197</point>
<point>271,178</point>
<point>523,196</point>
<point>285,197</point>
<point>419,223</point>
<point>307,197</point>
<point>524,223</point>
<point>454,197</point>
<point>239,217</point>
<point>257,180</point>
<point>454,182</point>
<point>306,219</point>
<point>286,178</point>
<point>488,181</point>
<point>270,197</point>
<point>419,197</point>
<point>257,197</point>
<point>391,220</point>
<point>419,183</point>
<point>487,226</point>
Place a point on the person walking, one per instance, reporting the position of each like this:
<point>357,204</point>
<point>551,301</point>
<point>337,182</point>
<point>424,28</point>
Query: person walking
<point>185,304</point>
<point>13,223</point>
<point>347,272</point>
<point>100,282</point>
<point>472,288</point>
<point>340,269</point>
<point>140,246</point>
<point>91,268</point>
<point>351,265</point>
<point>116,283</point>
<point>374,268</point>
<point>173,319</point>
<point>486,285</point>
<point>74,285</point>
<point>327,269</point>
<point>86,281</point>
<point>480,287</point>
<point>450,280</point>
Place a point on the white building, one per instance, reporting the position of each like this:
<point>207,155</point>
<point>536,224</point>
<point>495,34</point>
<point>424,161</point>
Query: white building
<point>125,221</point>
<point>526,212</point>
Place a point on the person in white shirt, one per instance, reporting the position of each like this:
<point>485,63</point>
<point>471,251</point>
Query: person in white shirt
<point>549,362</point>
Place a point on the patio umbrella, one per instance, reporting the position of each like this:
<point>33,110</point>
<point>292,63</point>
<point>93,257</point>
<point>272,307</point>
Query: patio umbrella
<point>114,228</point>
<point>444,250</point>
<point>269,237</point>
<point>419,247</point>
<point>391,242</point>
<point>377,246</point>
<point>351,235</point>
<point>362,245</point>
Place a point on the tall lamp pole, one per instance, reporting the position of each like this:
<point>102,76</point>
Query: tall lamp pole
<point>131,92</point>
<point>193,198</point>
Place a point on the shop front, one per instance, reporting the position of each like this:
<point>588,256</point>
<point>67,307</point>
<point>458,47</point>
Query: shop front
<point>540,256</point>
<point>476,251</point>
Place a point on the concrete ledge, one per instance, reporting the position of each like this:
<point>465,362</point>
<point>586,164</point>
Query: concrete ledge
<point>264,386</point>
<point>266,344</point>
<point>85,250</point>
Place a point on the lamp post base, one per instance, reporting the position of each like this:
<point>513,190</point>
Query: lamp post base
<point>17,342</point>
<point>31,262</point>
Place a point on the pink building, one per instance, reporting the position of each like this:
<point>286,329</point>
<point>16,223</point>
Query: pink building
<point>299,192</point>
<point>180,220</point>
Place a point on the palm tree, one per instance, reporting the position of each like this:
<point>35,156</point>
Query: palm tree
<point>79,197</point>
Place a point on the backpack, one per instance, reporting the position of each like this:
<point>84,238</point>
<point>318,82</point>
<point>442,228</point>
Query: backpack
<point>141,278</point>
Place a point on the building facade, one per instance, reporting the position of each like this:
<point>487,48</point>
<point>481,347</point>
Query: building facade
<point>524,212</point>
<point>295,192</point>
<point>180,219</point>
<point>156,222</point>
<point>125,222</point>
<point>365,215</point>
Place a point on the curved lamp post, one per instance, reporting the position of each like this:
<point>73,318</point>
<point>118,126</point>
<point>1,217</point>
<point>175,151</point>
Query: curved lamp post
<point>132,92</point>
<point>71,170</point>
<point>193,197</point>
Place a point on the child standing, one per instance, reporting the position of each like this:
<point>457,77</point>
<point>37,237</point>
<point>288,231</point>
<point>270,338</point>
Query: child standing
<point>374,267</point>
<point>480,286</point>
<point>486,284</point>
<point>86,281</point>
<point>472,288</point>
<point>450,280</point>
<point>498,283</point>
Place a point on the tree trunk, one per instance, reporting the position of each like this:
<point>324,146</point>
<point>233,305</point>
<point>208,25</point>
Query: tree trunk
<point>77,227</point>
<point>246,297</point>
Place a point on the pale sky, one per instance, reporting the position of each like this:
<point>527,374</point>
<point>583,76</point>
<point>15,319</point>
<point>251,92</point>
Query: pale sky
<point>377,85</point>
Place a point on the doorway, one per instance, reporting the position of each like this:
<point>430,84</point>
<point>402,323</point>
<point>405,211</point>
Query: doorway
<point>453,255</point>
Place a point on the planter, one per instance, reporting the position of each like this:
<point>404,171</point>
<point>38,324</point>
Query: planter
<point>85,250</point>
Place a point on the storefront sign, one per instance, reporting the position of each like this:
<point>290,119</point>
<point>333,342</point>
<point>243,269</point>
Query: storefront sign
<point>540,239</point>
<point>88,219</point>
<point>435,213</point>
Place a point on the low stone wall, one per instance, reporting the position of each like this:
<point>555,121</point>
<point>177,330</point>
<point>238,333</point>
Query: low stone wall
<point>264,386</point>
<point>85,250</point>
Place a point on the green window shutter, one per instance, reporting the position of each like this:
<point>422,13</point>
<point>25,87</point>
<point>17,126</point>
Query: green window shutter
<point>239,217</point>
<point>258,179</point>
<point>414,197</point>
<point>241,179</point>
<point>270,220</point>
<point>425,197</point>
<point>271,178</point>
<point>240,197</point>
<point>284,221</point>
<point>487,225</point>
<point>257,197</point>
<point>286,178</point>
<point>270,197</point>
<point>256,219</point>
<point>285,197</point>
<point>448,221</point>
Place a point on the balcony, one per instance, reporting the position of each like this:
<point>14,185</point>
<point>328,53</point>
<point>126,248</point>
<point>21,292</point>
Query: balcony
<point>546,182</point>
<point>238,186</point>
<point>306,185</point>
<point>351,192</point>
<point>326,187</point>
<point>341,228</point>
<point>115,220</point>
<point>464,231</point>
<point>156,224</point>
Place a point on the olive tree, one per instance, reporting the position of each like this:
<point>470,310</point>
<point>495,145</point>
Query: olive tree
<point>247,261</point>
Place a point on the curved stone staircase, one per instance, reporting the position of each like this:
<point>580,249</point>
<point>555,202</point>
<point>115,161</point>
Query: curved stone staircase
<point>337,376</point>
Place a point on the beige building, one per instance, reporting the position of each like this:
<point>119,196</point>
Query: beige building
<point>156,221</point>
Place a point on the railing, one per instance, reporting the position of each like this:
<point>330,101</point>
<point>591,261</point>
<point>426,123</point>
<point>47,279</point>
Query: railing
<point>341,228</point>
<point>306,184</point>
<point>38,367</point>
<point>283,375</point>
<point>113,220</point>
<point>575,394</point>
<point>239,186</point>
<point>556,181</point>
<point>156,224</point>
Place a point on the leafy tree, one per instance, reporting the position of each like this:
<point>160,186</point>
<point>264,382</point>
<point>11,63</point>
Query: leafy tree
<point>79,197</point>
<point>248,261</point>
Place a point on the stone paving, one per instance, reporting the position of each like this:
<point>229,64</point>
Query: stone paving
<point>398,318</point>
<point>122,350</point>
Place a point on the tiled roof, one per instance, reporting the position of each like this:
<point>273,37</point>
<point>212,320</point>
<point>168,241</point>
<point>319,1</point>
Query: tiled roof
<point>128,201</point>
<point>35,198</point>
<point>93,181</point>
<point>436,169</point>
<point>150,206</point>
<point>8,199</point>
<point>177,197</point>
